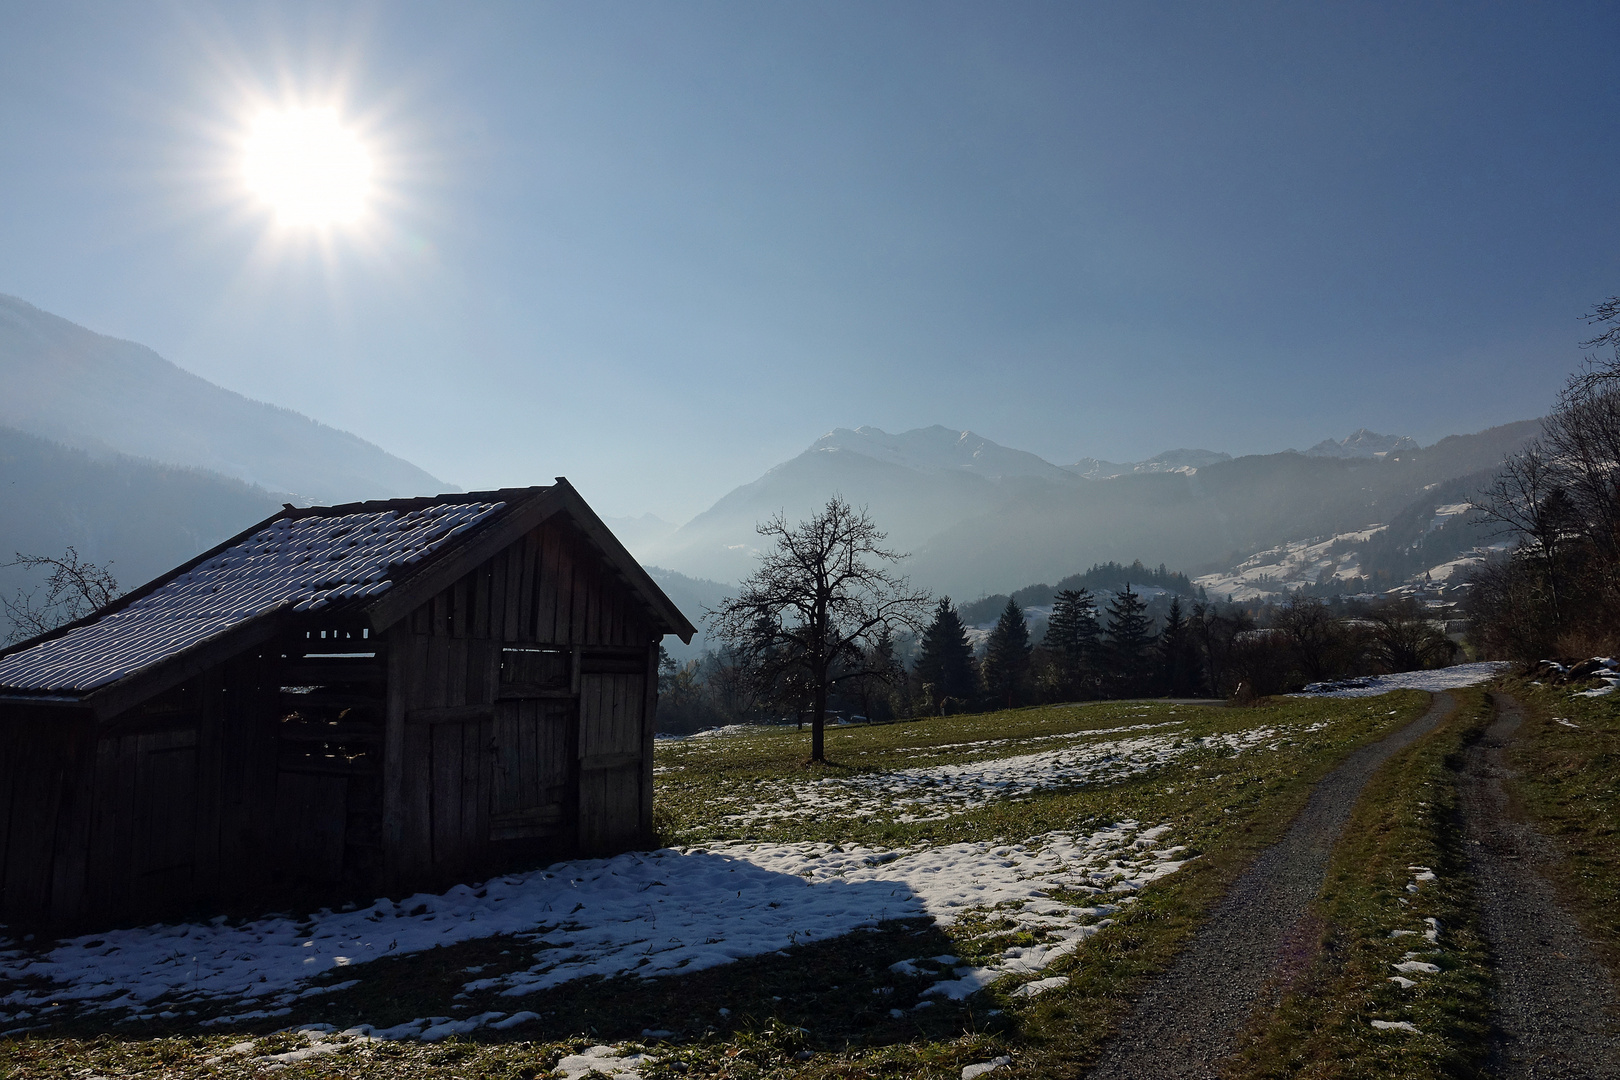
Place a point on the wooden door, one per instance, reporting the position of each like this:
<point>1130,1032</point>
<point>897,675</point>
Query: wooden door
<point>459,767</point>
<point>143,842</point>
<point>611,708</point>
<point>532,784</point>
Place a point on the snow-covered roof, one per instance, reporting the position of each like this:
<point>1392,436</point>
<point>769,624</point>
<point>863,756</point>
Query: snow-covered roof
<point>303,561</point>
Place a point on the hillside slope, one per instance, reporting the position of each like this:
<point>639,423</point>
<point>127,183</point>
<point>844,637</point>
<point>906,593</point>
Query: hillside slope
<point>83,389</point>
<point>144,517</point>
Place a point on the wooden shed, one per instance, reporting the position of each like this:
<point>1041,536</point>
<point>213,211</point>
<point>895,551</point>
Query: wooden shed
<point>340,701</point>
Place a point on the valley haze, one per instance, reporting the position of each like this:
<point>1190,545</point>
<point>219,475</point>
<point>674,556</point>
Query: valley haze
<point>106,446</point>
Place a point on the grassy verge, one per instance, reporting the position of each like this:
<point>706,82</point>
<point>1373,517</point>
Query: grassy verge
<point>1372,912</point>
<point>824,1010</point>
<point>1566,760</point>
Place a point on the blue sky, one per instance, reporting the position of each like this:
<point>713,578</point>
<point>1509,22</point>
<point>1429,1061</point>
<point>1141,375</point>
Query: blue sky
<point>660,247</point>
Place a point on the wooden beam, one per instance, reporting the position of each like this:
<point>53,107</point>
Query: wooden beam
<point>516,691</point>
<point>649,714</point>
<point>450,714</point>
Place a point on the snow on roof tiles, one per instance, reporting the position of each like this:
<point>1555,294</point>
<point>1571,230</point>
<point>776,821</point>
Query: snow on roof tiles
<point>301,563</point>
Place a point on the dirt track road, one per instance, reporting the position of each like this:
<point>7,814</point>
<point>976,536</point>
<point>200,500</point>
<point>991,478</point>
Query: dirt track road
<point>1556,1009</point>
<point>1189,1019</point>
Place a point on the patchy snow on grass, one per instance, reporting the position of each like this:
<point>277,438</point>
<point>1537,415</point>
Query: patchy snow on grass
<point>937,792</point>
<point>1396,1025</point>
<point>1448,678</point>
<point>969,1072</point>
<point>641,913</point>
<point>603,1060</point>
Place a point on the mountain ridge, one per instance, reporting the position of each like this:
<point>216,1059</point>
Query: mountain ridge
<point>102,394</point>
<point>974,525</point>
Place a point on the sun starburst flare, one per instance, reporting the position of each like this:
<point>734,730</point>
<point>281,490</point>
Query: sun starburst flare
<point>308,168</point>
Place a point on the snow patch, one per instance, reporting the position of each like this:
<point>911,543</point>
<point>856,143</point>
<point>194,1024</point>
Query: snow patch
<point>641,913</point>
<point>1437,679</point>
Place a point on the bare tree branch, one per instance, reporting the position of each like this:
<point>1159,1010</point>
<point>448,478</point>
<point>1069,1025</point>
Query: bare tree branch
<point>74,588</point>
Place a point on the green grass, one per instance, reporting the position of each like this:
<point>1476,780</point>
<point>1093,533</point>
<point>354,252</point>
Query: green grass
<point>1322,1027</point>
<point>1567,779</point>
<point>811,1011</point>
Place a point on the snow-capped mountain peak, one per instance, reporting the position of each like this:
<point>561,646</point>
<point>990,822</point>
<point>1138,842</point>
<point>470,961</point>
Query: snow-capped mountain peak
<point>937,449</point>
<point>1363,444</point>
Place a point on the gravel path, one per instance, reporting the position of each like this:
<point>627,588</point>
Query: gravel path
<point>1556,1005</point>
<point>1189,1019</point>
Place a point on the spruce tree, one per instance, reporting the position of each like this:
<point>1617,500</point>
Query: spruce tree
<point>1128,642</point>
<point>1179,674</point>
<point>945,663</point>
<point>1006,657</point>
<point>1071,634</point>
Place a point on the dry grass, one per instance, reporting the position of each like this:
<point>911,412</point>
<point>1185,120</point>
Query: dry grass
<point>1567,779</point>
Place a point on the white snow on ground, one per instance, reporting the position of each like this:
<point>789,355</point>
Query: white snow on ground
<point>936,792</point>
<point>644,913</point>
<point>1449,678</point>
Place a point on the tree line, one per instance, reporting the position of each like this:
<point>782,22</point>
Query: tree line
<point>826,627</point>
<point>1556,592</point>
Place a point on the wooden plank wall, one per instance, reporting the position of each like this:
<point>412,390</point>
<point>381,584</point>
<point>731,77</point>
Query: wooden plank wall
<point>177,803</point>
<point>548,587</point>
<point>611,710</point>
<point>461,722</point>
<point>43,751</point>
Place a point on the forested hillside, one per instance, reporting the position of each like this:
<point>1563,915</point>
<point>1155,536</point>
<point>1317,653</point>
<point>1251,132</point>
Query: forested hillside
<point>141,516</point>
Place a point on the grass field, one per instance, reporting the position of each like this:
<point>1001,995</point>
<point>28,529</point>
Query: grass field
<point>1567,761</point>
<point>1071,850</point>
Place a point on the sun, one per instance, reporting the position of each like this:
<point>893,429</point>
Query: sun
<point>308,168</point>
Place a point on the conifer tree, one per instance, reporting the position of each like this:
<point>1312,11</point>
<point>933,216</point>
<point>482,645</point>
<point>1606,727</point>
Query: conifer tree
<point>1071,634</point>
<point>945,664</point>
<point>1129,643</point>
<point>1178,657</point>
<point>1006,657</point>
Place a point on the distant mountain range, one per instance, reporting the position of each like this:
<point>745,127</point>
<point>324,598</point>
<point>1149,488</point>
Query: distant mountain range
<point>109,448</point>
<point>980,518</point>
<point>103,395</point>
<point>1171,461</point>
<point>106,446</point>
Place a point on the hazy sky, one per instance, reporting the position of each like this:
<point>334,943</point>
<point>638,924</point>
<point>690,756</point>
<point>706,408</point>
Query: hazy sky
<point>660,247</point>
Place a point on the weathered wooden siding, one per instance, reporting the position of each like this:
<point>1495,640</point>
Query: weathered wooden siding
<point>258,777</point>
<point>521,712</point>
<point>506,719</point>
<point>43,751</point>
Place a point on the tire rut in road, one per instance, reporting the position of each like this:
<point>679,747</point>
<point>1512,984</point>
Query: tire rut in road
<point>1556,1008</point>
<point>1189,1019</point>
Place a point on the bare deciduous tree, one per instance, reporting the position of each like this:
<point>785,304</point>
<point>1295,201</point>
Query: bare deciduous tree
<point>1406,638</point>
<point>814,611</point>
<point>74,587</point>
<point>1316,637</point>
<point>1528,498</point>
